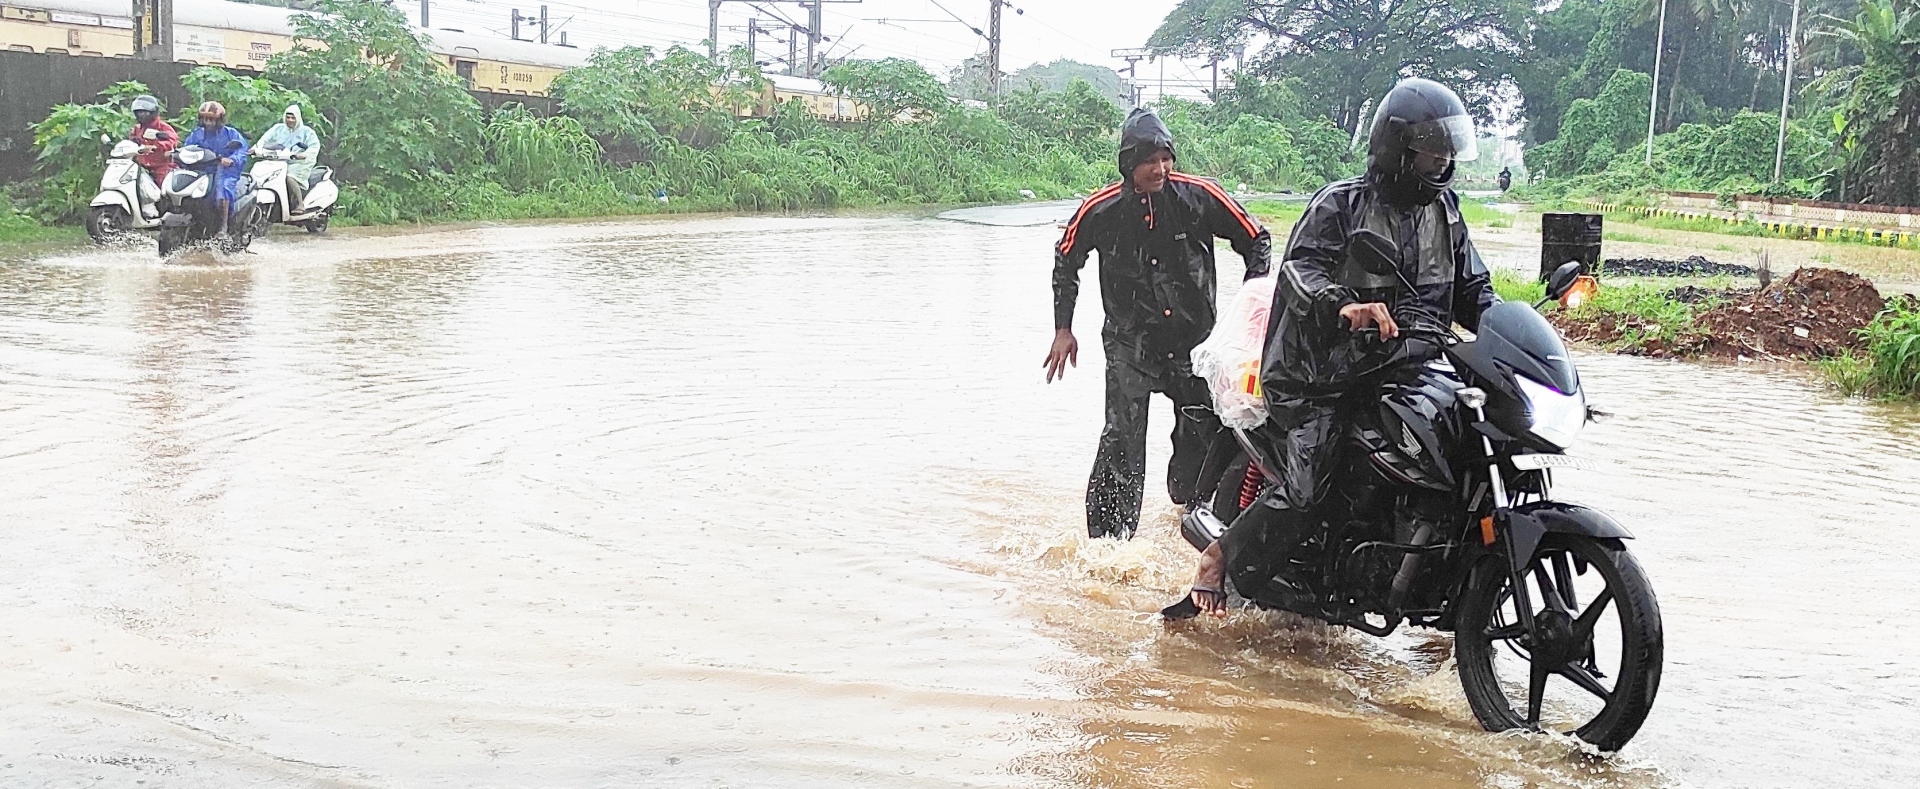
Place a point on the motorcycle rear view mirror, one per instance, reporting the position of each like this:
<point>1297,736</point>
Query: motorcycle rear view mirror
<point>1375,253</point>
<point>1562,279</point>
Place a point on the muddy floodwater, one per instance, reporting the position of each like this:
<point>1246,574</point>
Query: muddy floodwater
<point>783,502</point>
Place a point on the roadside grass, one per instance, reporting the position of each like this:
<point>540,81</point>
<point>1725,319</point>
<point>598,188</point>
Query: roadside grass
<point>20,229</point>
<point>1280,215</point>
<point>1890,365</point>
<point>1739,228</point>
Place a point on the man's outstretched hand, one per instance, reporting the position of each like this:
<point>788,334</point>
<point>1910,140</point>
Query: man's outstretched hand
<point>1371,315</point>
<point>1065,351</point>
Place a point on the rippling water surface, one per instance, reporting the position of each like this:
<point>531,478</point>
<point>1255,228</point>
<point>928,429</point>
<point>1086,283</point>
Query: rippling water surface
<point>783,502</point>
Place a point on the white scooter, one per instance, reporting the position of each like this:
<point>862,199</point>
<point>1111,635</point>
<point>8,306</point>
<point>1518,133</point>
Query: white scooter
<point>128,198</point>
<point>269,176</point>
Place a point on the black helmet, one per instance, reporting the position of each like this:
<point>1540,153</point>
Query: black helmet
<point>147,104</point>
<point>1418,115</point>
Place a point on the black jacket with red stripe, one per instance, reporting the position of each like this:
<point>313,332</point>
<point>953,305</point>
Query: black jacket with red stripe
<point>1157,277</point>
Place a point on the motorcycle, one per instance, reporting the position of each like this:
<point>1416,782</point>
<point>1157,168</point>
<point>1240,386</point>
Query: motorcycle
<point>270,193</point>
<point>128,198</point>
<point>191,215</point>
<point>1443,516</point>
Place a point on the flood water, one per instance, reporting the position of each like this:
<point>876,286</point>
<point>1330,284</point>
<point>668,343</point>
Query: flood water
<point>784,502</point>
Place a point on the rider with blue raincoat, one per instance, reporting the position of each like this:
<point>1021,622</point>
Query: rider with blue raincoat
<point>225,141</point>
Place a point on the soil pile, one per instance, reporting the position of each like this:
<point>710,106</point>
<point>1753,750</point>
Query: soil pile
<point>1692,266</point>
<point>1814,312</point>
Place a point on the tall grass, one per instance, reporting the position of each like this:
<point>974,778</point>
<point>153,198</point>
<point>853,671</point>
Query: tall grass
<point>1890,365</point>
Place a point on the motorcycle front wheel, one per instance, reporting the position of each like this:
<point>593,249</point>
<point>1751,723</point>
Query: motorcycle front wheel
<point>107,222</point>
<point>1590,664</point>
<point>172,239</point>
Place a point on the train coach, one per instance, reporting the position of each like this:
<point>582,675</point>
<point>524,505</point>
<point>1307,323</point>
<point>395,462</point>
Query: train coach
<point>244,36</point>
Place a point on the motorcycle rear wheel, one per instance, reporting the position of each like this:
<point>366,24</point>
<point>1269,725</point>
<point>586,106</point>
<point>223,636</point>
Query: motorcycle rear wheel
<point>1579,635</point>
<point>107,222</point>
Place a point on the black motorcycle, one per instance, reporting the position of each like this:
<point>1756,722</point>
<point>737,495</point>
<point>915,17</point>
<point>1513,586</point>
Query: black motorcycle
<point>192,215</point>
<point>1443,516</point>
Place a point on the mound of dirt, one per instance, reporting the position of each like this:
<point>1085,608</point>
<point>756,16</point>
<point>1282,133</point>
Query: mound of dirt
<point>1692,266</point>
<point>1814,312</point>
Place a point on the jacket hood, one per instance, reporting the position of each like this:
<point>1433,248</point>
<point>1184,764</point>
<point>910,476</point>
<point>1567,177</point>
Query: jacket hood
<point>1140,136</point>
<point>294,110</point>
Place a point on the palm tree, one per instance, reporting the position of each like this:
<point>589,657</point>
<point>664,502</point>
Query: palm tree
<point>1876,84</point>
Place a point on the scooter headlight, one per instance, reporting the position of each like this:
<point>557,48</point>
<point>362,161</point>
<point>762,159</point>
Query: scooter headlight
<point>1552,415</point>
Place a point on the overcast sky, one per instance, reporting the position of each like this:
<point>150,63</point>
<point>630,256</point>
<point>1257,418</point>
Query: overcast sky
<point>1084,30</point>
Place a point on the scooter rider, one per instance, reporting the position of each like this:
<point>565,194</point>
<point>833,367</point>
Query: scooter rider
<point>215,135</point>
<point>296,137</point>
<point>156,137</point>
<point>1154,230</point>
<point>1318,363</point>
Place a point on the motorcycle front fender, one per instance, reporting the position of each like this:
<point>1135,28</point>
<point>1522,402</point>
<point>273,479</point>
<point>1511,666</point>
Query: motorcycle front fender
<point>113,197</point>
<point>1528,524</point>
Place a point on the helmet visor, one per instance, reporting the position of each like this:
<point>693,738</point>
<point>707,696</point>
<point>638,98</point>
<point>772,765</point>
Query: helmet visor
<point>1450,138</point>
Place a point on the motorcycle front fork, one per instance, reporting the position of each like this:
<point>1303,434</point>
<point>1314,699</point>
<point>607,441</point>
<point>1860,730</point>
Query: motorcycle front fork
<point>1502,503</point>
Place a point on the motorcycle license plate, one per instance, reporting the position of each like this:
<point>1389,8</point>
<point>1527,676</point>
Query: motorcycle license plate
<point>1536,462</point>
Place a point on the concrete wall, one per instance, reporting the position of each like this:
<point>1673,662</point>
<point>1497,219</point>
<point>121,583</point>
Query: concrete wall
<point>32,83</point>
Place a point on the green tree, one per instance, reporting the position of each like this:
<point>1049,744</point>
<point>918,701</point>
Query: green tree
<point>1078,114</point>
<point>400,124</point>
<point>1876,85</point>
<point>253,103</point>
<point>890,87</point>
<point>630,94</point>
<point>1595,129</point>
<point>1345,54</point>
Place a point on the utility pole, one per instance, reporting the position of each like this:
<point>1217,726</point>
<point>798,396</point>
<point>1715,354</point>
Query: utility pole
<point>1133,58</point>
<point>543,24</point>
<point>1215,65</point>
<point>993,46</point>
<point>515,30</point>
<point>813,38</point>
<point>424,24</point>
<point>793,49</point>
<point>713,29</point>
<point>1653,99</point>
<point>153,29</point>
<point>1786,93</point>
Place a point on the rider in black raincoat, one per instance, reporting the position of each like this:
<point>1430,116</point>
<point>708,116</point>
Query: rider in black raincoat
<point>1318,363</point>
<point>1154,230</point>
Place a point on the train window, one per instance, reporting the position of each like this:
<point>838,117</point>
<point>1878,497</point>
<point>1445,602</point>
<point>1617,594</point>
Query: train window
<point>73,38</point>
<point>464,69</point>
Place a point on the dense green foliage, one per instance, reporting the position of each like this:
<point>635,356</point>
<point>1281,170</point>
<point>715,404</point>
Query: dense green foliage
<point>1890,366</point>
<point>1875,85</point>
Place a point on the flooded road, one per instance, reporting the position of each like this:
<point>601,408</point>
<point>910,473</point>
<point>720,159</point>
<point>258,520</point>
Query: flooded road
<point>783,502</point>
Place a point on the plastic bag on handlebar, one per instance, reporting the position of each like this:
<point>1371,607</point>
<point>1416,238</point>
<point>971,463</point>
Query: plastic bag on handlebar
<point>1229,359</point>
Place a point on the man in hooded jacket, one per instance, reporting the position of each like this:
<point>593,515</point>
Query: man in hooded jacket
<point>1331,337</point>
<point>1154,230</point>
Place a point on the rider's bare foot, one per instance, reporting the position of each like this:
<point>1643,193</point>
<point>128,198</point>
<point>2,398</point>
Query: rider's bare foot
<point>1209,588</point>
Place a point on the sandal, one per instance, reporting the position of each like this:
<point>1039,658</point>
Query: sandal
<point>1187,608</point>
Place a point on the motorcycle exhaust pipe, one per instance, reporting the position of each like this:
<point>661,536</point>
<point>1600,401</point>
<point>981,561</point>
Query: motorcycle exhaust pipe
<point>1201,527</point>
<point>1409,567</point>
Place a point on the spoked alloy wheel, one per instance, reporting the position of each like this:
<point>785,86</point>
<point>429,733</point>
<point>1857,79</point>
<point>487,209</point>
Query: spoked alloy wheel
<point>1589,666</point>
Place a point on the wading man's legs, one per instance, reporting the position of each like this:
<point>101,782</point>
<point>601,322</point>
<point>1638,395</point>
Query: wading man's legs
<point>1120,465</point>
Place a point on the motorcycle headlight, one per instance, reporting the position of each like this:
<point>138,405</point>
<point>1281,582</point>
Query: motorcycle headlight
<point>1554,416</point>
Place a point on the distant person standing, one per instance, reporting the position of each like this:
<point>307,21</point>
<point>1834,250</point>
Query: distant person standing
<point>1154,230</point>
<point>1506,178</point>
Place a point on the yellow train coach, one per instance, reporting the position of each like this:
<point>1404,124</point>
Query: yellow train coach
<point>238,35</point>
<point>243,36</point>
